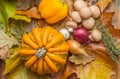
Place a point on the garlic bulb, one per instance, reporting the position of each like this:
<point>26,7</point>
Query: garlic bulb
<point>70,29</point>
<point>65,33</point>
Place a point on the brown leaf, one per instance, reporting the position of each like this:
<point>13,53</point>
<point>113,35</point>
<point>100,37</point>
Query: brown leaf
<point>65,72</point>
<point>81,59</point>
<point>4,52</point>
<point>103,4</point>
<point>32,13</point>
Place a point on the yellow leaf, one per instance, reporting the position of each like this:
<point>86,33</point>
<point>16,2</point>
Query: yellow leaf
<point>103,4</point>
<point>99,69</point>
<point>12,62</point>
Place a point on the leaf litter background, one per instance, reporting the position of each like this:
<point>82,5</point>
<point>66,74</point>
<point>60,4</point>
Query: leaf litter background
<point>92,70</point>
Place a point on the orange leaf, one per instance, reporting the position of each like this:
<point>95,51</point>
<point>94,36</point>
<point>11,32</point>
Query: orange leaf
<point>65,72</point>
<point>32,13</point>
<point>103,4</point>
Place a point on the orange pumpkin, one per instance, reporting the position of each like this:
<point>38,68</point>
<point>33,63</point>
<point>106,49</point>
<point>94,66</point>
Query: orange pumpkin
<point>44,49</point>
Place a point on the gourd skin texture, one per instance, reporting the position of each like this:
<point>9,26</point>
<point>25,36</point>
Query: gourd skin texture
<point>55,56</point>
<point>53,10</point>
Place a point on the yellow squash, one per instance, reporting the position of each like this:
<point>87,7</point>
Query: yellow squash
<point>44,50</point>
<point>53,10</point>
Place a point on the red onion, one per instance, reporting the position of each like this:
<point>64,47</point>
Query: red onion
<point>81,35</point>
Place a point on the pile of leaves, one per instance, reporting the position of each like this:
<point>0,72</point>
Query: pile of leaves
<point>17,18</point>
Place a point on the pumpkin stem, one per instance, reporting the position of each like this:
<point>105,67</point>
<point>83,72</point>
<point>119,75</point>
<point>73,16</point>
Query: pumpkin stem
<point>41,52</point>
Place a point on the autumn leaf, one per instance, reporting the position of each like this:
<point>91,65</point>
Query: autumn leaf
<point>6,40</point>
<point>26,4</point>
<point>103,4</point>
<point>81,59</point>
<point>65,72</point>
<point>4,52</point>
<point>99,48</point>
<point>32,13</point>
<point>23,73</point>
<point>99,69</point>
<point>13,61</point>
<point>17,29</point>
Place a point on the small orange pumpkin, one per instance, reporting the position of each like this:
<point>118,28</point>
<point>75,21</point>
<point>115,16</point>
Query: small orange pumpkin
<point>44,49</point>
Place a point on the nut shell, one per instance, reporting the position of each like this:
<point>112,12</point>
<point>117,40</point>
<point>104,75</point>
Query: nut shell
<point>76,16</point>
<point>88,23</point>
<point>78,4</point>
<point>96,35</point>
<point>95,11</point>
<point>85,12</point>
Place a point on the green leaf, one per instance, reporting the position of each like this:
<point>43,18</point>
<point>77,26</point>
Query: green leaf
<point>13,61</point>
<point>7,9</point>
<point>17,29</point>
<point>21,17</point>
<point>6,40</point>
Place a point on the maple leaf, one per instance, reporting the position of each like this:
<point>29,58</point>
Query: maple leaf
<point>103,4</point>
<point>99,69</point>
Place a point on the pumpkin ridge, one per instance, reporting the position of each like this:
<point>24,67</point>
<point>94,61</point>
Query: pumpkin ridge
<point>55,58</point>
<point>27,40</point>
<point>50,64</point>
<point>37,36</point>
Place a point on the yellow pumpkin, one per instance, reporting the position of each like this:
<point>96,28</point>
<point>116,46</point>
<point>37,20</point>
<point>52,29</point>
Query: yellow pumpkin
<point>53,10</point>
<point>44,50</point>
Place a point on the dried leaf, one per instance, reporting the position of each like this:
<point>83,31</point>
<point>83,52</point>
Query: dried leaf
<point>6,40</point>
<point>13,61</point>
<point>81,59</point>
<point>26,4</point>
<point>103,4</point>
<point>29,26</point>
<point>32,13</point>
<point>65,72</point>
<point>4,52</point>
